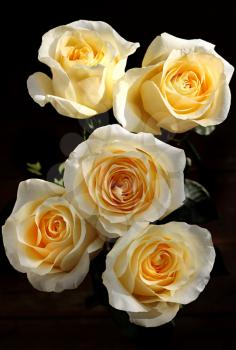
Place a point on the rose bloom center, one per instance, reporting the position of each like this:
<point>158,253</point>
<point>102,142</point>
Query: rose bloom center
<point>75,49</point>
<point>158,264</point>
<point>121,184</point>
<point>52,227</point>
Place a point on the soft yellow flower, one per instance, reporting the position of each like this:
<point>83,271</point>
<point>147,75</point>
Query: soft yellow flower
<point>117,178</point>
<point>86,58</point>
<point>46,237</point>
<point>152,269</point>
<point>182,84</point>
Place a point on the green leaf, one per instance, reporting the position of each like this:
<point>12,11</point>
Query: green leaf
<point>195,191</point>
<point>201,130</point>
<point>61,168</point>
<point>34,168</point>
<point>198,207</point>
<point>58,182</point>
<point>90,124</point>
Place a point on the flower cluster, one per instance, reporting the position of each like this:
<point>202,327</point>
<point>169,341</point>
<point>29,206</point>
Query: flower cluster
<point>117,183</point>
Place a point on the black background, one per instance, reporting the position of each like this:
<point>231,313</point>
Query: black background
<point>29,134</point>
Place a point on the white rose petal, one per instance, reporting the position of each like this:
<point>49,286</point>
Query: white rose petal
<point>117,178</point>
<point>46,237</point>
<point>86,58</point>
<point>182,84</point>
<point>151,270</point>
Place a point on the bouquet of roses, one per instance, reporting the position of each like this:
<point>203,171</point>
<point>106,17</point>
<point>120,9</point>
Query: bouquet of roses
<point>122,180</point>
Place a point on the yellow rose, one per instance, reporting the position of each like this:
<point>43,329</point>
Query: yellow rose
<point>182,84</point>
<point>117,178</point>
<point>46,238</point>
<point>152,269</point>
<point>86,58</point>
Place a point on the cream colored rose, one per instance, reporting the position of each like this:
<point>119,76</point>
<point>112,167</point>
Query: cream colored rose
<point>182,84</point>
<point>153,269</point>
<point>86,58</point>
<point>46,238</point>
<point>117,178</point>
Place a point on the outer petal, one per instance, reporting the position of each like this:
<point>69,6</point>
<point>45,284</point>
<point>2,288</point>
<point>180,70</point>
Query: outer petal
<point>10,242</point>
<point>155,317</point>
<point>119,297</point>
<point>47,49</point>
<point>171,158</point>
<point>70,108</point>
<point>228,68</point>
<point>219,109</point>
<point>176,125</point>
<point>39,87</point>
<point>61,83</point>
<point>200,239</point>
<point>35,189</point>
<point>155,105</point>
<point>123,46</point>
<point>57,282</point>
<point>173,161</point>
<point>73,164</point>
<point>163,44</point>
<point>127,114</point>
<point>41,90</point>
<point>112,230</point>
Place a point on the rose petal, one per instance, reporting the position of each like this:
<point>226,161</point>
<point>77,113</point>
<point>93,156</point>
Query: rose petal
<point>123,46</point>
<point>163,44</point>
<point>126,277</point>
<point>200,239</point>
<point>57,282</point>
<point>40,89</point>
<point>154,317</point>
<point>126,113</point>
<point>219,109</point>
<point>33,189</point>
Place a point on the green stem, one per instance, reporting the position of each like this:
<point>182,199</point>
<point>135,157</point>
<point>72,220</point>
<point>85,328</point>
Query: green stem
<point>193,150</point>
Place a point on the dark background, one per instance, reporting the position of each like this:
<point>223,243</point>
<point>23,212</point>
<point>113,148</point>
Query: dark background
<point>30,319</point>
